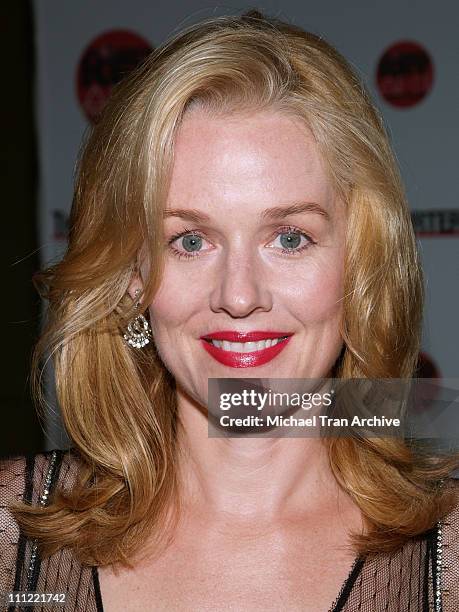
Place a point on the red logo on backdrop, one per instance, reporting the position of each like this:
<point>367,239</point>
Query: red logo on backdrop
<point>436,222</point>
<point>428,392</point>
<point>426,367</point>
<point>105,61</point>
<point>405,74</point>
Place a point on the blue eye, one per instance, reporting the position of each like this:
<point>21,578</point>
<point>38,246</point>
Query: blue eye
<point>290,240</point>
<point>192,242</point>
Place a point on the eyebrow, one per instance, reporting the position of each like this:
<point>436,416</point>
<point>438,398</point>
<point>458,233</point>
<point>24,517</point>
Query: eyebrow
<point>277,212</point>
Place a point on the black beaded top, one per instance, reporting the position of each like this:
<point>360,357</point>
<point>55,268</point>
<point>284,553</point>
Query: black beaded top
<point>422,576</point>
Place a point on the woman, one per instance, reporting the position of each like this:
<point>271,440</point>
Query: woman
<point>238,186</point>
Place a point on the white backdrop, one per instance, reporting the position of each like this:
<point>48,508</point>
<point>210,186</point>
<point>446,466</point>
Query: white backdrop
<point>424,136</point>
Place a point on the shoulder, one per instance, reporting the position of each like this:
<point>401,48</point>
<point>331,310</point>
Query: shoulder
<point>452,485</point>
<point>20,480</point>
<point>450,522</point>
<point>30,478</point>
<point>26,478</point>
<point>22,476</point>
<point>449,561</point>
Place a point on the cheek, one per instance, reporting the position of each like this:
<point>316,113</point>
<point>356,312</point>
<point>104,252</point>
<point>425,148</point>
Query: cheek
<point>176,299</point>
<point>316,294</point>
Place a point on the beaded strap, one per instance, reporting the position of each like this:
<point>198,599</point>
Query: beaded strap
<point>438,575</point>
<point>43,500</point>
<point>438,587</point>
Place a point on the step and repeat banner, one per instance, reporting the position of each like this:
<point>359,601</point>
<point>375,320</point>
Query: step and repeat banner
<point>407,53</point>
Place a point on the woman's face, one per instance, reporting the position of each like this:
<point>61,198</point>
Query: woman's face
<point>261,250</point>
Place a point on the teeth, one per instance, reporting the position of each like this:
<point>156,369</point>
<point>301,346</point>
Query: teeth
<point>245,347</point>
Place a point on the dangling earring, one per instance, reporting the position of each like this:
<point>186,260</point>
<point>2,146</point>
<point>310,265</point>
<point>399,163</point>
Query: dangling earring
<point>138,332</point>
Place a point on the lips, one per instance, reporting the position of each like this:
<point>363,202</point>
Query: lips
<point>253,336</point>
<point>249,359</point>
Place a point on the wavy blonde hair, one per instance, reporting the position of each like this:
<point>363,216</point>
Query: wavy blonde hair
<point>118,404</point>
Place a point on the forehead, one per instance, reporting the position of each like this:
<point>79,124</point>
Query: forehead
<point>246,163</point>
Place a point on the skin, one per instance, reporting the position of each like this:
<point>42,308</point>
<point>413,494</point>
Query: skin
<point>232,169</point>
<point>269,490</point>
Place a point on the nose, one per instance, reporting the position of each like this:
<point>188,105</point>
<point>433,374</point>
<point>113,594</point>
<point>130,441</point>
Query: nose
<point>241,287</point>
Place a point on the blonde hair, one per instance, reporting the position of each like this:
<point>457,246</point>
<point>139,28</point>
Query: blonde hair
<point>118,404</point>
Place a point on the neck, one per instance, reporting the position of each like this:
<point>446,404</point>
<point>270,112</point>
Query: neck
<point>250,478</point>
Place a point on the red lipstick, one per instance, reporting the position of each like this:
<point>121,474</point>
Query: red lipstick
<point>235,359</point>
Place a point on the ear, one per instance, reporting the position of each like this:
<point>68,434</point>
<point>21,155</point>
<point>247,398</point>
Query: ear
<point>135,287</point>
